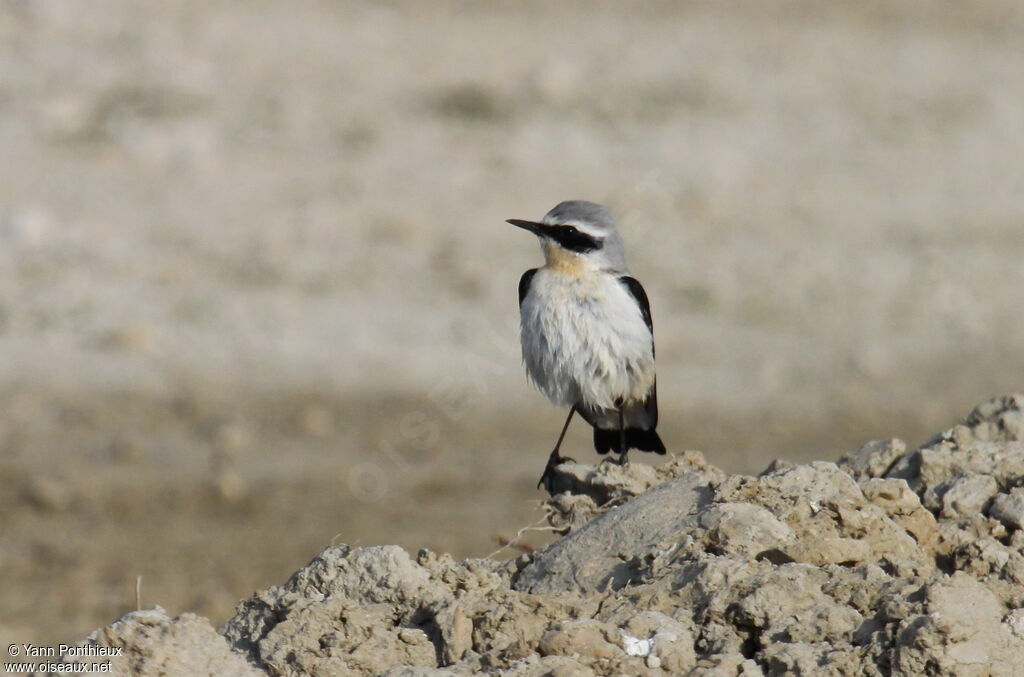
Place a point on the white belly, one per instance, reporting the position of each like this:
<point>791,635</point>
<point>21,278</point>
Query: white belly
<point>585,341</point>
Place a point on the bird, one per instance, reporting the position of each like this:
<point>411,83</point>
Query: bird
<point>586,332</point>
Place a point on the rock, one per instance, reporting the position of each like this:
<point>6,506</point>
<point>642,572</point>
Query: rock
<point>998,420</point>
<point>904,507</point>
<point>831,518</point>
<point>606,482</point>
<point>1009,508</point>
<point>970,447</point>
<point>156,645</point>
<point>609,483</point>
<point>814,569</point>
<point>727,665</point>
<point>812,660</point>
<point>597,555</point>
<point>872,459</point>
<point>967,495</point>
<point>456,631</point>
<point>743,530</point>
<point>926,469</point>
<point>960,632</point>
<point>567,512</point>
<point>589,638</point>
<point>337,613</point>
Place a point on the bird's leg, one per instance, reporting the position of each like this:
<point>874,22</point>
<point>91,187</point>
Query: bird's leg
<point>622,439</point>
<point>555,459</point>
<point>561,436</point>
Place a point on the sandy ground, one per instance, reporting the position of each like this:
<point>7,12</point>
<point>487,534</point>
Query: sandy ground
<point>253,263</point>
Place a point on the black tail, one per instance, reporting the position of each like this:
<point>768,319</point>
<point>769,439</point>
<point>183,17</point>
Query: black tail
<point>644,440</point>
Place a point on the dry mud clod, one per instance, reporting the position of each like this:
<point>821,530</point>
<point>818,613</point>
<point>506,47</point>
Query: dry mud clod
<point>889,562</point>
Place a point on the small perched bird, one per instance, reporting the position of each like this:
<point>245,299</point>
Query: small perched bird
<point>586,331</point>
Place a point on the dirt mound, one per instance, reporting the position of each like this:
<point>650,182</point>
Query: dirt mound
<point>887,562</point>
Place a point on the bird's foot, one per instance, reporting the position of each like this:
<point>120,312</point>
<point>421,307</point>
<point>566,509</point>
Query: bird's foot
<point>548,478</point>
<point>623,458</point>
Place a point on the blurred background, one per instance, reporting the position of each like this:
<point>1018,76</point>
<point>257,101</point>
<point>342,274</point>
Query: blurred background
<point>257,293</point>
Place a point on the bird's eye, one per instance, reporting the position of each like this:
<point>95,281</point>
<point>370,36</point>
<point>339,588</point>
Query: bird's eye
<point>570,230</point>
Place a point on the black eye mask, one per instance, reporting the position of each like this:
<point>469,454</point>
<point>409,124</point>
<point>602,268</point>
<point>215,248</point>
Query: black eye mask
<point>573,239</point>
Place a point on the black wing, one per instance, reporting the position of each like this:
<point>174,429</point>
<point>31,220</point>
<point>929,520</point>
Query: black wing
<point>524,284</point>
<point>636,290</point>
